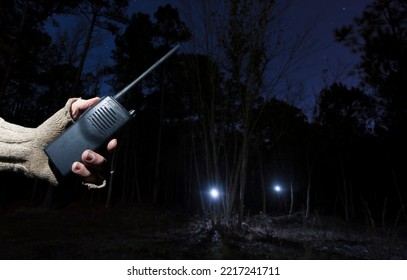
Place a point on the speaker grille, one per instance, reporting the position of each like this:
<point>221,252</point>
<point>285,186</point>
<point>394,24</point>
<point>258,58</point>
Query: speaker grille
<point>103,119</point>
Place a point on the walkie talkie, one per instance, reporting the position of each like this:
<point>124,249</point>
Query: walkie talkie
<point>94,127</point>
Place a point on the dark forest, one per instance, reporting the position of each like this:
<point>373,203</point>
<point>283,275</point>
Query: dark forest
<point>216,148</point>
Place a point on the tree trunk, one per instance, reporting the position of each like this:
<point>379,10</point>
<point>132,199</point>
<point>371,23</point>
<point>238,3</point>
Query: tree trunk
<point>262,184</point>
<point>308,199</point>
<point>291,198</point>
<point>242,180</point>
<point>156,180</point>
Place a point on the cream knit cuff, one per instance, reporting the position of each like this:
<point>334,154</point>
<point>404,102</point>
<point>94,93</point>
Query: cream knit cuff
<point>22,148</point>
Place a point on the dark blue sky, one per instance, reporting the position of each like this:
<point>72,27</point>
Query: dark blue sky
<point>331,61</point>
<point>324,16</point>
<point>320,16</point>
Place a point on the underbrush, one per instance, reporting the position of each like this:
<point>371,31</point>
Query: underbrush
<point>89,231</point>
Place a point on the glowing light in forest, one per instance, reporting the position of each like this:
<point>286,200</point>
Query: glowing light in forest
<point>277,188</point>
<point>214,193</point>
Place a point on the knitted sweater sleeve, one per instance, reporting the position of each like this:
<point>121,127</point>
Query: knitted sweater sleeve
<point>22,148</point>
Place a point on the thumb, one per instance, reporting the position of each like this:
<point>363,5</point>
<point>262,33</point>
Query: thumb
<point>81,105</point>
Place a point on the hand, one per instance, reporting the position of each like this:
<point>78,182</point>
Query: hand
<point>92,163</point>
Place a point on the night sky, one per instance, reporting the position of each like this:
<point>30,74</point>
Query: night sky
<point>316,70</point>
<point>329,58</point>
<point>323,17</point>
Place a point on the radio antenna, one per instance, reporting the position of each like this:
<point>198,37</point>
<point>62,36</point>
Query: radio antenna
<point>121,95</point>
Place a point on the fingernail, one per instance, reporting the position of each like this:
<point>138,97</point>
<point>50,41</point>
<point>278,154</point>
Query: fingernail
<point>90,157</point>
<point>76,166</point>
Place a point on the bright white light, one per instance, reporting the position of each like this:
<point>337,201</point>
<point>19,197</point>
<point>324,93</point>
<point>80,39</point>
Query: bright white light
<point>277,189</point>
<point>214,193</point>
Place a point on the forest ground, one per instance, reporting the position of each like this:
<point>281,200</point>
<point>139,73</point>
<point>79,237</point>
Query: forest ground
<point>89,231</point>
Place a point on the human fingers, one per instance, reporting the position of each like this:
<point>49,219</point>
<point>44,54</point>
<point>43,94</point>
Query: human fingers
<point>81,105</point>
<point>91,178</point>
<point>91,164</point>
<point>80,169</point>
<point>93,160</point>
<point>112,145</point>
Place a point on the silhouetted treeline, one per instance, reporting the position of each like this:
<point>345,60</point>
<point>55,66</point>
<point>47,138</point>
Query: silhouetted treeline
<point>208,119</point>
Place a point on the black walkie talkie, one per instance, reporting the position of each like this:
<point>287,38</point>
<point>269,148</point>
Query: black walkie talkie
<point>94,127</point>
